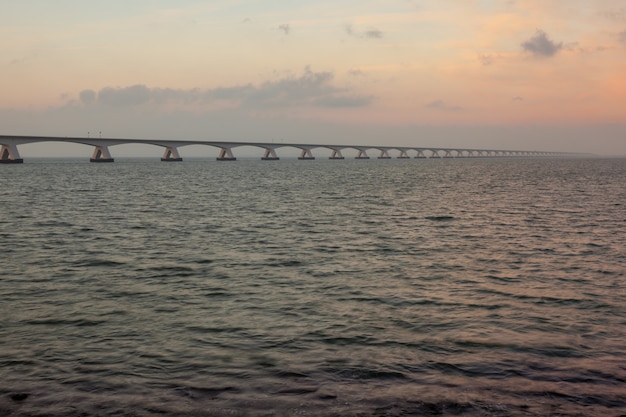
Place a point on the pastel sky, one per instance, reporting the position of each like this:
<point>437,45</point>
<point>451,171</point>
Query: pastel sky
<point>519,74</point>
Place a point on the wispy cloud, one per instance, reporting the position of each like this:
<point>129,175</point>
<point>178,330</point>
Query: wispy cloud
<point>486,59</point>
<point>371,33</point>
<point>25,58</point>
<point>616,14</point>
<point>622,37</point>
<point>541,45</point>
<point>285,28</point>
<point>315,89</point>
<point>441,105</point>
<point>356,72</point>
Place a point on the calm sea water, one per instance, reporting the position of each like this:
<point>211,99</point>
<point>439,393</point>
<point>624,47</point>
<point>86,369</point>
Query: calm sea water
<point>476,287</point>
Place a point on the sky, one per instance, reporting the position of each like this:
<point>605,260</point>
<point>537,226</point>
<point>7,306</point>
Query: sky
<point>544,75</point>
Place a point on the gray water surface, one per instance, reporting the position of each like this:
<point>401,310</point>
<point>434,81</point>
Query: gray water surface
<point>469,287</point>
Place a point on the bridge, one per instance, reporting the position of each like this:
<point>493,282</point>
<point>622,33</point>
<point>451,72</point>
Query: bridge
<point>9,152</point>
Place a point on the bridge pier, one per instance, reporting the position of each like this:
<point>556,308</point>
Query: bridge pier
<point>101,154</point>
<point>270,155</point>
<point>403,155</point>
<point>384,154</point>
<point>226,154</point>
<point>10,155</point>
<point>171,155</point>
<point>336,154</point>
<point>306,155</point>
<point>420,154</point>
<point>362,154</point>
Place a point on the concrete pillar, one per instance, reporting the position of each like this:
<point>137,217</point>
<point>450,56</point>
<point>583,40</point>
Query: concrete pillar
<point>226,155</point>
<point>270,155</point>
<point>306,155</point>
<point>171,155</point>
<point>10,155</point>
<point>101,154</point>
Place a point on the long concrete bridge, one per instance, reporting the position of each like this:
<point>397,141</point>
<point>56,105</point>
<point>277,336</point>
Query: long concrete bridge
<point>9,152</point>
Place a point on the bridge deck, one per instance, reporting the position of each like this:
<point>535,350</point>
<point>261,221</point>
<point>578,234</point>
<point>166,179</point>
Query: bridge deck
<point>9,151</point>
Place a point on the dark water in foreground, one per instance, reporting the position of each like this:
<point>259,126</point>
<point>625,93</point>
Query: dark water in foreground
<point>313,288</point>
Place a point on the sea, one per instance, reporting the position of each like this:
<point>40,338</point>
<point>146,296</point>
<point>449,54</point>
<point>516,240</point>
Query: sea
<point>369,288</point>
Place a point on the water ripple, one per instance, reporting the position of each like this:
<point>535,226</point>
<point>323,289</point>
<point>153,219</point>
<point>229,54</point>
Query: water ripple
<point>456,287</point>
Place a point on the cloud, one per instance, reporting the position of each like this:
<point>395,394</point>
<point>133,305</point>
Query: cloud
<point>285,28</point>
<point>441,105</point>
<point>314,89</point>
<point>344,101</point>
<point>371,33</point>
<point>518,98</point>
<point>25,59</point>
<point>124,97</point>
<point>215,94</point>
<point>485,59</point>
<point>622,37</point>
<point>616,14</point>
<point>541,45</point>
<point>356,72</point>
<point>88,96</point>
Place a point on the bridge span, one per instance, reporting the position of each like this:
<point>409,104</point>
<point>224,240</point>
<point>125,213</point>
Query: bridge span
<point>9,152</point>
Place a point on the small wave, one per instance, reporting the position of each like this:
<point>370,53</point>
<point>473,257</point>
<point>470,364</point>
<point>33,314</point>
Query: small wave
<point>97,262</point>
<point>589,400</point>
<point>290,262</point>
<point>290,374</point>
<point>203,392</point>
<point>172,268</point>
<point>365,373</point>
<point>422,408</point>
<point>53,223</point>
<point>297,390</point>
<point>57,322</point>
<point>440,218</point>
<point>209,330</point>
